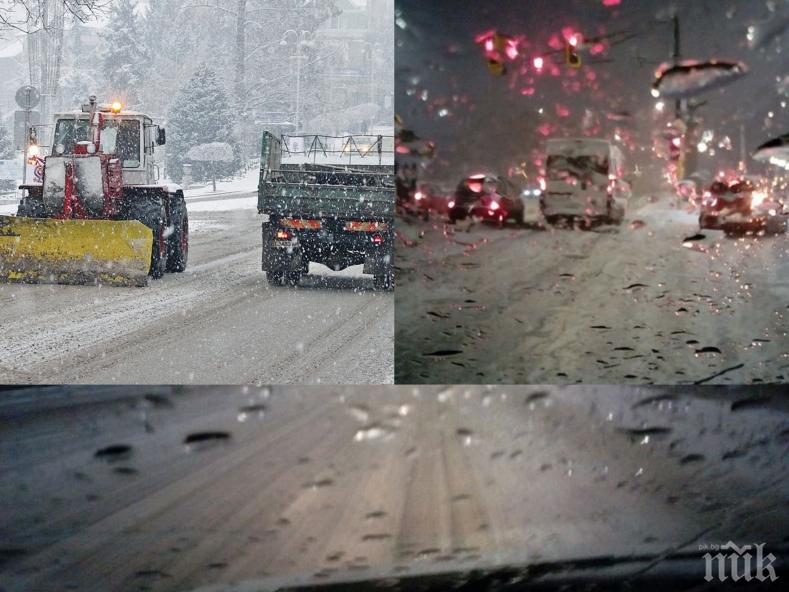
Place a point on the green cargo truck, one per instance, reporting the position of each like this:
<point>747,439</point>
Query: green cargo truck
<point>328,200</point>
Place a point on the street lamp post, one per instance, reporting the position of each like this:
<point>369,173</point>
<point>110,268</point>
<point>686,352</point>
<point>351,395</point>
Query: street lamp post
<point>300,39</point>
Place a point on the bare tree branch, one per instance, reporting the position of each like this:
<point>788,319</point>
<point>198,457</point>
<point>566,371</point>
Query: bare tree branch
<point>29,16</point>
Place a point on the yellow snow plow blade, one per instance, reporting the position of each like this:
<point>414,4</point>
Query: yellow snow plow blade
<point>39,250</point>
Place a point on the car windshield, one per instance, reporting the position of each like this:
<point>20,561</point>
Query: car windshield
<point>179,488</point>
<point>475,184</point>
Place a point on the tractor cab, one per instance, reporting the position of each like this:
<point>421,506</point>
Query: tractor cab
<point>127,135</point>
<point>98,215</point>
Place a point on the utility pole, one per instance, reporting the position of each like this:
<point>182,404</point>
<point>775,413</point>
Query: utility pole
<point>300,37</point>
<point>675,55</point>
<point>680,112</point>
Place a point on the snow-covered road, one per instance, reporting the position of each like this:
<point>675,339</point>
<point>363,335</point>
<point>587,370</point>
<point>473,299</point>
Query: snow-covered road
<point>633,304</point>
<point>291,484</point>
<point>219,322</point>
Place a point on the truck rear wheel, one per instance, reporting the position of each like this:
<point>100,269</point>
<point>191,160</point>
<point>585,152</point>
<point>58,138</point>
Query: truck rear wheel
<point>276,277</point>
<point>283,277</point>
<point>384,282</point>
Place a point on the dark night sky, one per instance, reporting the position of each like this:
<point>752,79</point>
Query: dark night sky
<point>497,125</point>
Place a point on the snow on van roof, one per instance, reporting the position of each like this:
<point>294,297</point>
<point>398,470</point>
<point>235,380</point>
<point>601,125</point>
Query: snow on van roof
<point>597,146</point>
<point>577,141</point>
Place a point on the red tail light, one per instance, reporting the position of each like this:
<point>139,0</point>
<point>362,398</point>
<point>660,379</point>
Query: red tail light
<point>301,223</point>
<point>283,234</point>
<point>377,239</point>
<point>357,226</point>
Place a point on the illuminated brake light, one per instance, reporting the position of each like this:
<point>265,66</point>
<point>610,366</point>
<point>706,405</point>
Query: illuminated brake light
<point>283,234</point>
<point>358,226</point>
<point>451,204</point>
<point>377,239</point>
<point>418,195</point>
<point>301,223</point>
<point>494,205</point>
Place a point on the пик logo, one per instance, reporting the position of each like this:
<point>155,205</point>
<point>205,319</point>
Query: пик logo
<point>740,563</point>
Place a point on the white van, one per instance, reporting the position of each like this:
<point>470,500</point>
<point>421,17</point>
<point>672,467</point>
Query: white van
<point>584,181</point>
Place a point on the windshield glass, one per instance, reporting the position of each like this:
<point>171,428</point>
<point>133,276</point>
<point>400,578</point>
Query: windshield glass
<point>624,269</point>
<point>68,132</point>
<point>120,137</point>
<point>177,488</point>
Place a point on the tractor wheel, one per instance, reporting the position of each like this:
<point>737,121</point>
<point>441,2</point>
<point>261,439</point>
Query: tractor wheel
<point>159,250</point>
<point>178,244</point>
<point>29,208</point>
<point>151,212</point>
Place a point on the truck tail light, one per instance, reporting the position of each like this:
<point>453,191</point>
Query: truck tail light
<point>301,223</point>
<point>283,234</point>
<point>357,226</point>
<point>377,239</point>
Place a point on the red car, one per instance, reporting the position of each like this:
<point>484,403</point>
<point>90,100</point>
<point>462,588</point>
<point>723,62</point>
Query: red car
<point>740,205</point>
<point>487,197</point>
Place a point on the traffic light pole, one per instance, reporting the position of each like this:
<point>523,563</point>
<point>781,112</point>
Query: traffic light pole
<point>678,110</point>
<point>27,146</point>
<point>675,55</point>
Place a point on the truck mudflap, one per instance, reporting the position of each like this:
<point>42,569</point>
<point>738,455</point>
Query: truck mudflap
<point>41,250</point>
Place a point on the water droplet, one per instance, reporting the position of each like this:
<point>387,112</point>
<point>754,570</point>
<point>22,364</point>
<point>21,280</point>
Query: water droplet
<point>198,441</point>
<point>114,452</point>
<point>256,411</point>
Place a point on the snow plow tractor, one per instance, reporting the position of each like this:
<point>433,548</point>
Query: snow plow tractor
<point>99,217</point>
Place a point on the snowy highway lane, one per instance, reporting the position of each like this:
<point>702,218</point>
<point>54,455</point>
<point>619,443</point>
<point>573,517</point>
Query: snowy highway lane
<point>292,484</point>
<point>632,304</point>
<point>218,322</point>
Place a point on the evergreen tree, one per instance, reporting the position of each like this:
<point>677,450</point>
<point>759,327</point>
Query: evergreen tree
<point>6,143</point>
<point>80,74</point>
<point>125,57</point>
<point>172,41</point>
<point>200,114</point>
